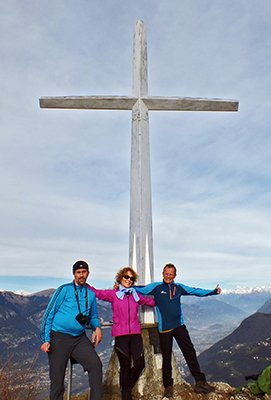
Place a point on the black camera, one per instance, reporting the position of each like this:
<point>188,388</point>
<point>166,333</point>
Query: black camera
<point>82,319</point>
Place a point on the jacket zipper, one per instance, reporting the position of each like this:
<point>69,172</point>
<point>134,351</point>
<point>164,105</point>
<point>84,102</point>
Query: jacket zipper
<point>170,292</point>
<point>129,319</point>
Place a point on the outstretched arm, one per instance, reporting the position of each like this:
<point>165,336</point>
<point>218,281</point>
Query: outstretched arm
<point>193,291</point>
<point>105,295</point>
<point>146,301</point>
<point>148,289</point>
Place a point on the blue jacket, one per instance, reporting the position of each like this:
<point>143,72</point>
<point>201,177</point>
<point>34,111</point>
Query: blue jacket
<point>62,309</point>
<point>168,301</point>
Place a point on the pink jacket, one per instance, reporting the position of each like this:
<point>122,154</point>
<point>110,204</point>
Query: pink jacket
<point>125,319</point>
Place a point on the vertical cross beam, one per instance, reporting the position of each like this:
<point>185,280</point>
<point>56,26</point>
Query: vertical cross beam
<point>141,240</point>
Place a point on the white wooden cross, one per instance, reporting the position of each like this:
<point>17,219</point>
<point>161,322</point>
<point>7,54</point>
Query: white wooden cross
<point>141,241</point>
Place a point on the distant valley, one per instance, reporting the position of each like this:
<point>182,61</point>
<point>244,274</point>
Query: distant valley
<point>222,329</point>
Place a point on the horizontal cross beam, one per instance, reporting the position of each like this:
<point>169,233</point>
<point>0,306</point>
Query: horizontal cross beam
<point>154,103</point>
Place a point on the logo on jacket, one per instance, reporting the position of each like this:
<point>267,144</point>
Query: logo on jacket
<point>162,292</point>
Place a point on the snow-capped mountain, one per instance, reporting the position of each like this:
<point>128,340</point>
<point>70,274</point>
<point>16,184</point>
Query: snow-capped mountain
<point>21,292</point>
<point>246,290</point>
<point>246,299</point>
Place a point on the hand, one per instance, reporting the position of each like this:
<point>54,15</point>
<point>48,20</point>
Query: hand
<point>97,336</point>
<point>116,286</point>
<point>45,347</point>
<point>218,289</point>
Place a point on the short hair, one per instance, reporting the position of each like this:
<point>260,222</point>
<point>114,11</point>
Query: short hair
<point>123,271</point>
<point>170,266</point>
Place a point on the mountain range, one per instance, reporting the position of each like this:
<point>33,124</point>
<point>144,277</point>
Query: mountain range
<point>232,342</point>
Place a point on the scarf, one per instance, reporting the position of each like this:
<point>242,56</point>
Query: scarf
<point>122,291</point>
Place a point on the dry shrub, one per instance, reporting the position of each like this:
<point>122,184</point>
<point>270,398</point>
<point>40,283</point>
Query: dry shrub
<point>17,381</point>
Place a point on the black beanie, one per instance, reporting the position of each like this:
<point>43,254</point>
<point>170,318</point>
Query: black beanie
<point>80,265</point>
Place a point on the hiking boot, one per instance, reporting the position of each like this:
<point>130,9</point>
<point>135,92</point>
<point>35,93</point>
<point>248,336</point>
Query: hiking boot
<point>168,392</point>
<point>203,387</point>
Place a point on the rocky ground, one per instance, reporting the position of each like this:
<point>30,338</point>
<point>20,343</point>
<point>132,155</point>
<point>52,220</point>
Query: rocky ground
<point>185,391</point>
<point>222,391</point>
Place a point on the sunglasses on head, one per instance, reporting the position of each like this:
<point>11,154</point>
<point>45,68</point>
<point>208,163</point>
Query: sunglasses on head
<point>132,279</point>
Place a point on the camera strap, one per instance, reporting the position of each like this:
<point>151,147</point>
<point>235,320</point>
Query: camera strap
<point>76,295</point>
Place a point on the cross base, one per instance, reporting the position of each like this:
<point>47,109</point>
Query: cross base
<point>150,382</point>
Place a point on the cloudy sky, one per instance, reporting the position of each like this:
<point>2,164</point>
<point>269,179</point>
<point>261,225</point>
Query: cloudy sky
<point>64,188</point>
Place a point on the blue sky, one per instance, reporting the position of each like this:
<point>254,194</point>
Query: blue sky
<point>64,188</point>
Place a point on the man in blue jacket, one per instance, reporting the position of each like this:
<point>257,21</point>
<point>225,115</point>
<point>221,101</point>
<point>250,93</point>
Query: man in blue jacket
<point>167,295</point>
<point>63,336</point>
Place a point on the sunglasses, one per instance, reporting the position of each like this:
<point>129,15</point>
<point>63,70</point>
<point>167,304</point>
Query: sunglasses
<point>132,279</point>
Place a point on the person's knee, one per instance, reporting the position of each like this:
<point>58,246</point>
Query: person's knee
<point>124,359</point>
<point>140,363</point>
<point>92,365</point>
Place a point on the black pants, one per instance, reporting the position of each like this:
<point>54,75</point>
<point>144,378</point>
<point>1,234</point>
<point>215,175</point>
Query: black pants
<point>183,339</point>
<point>80,348</point>
<point>128,346</point>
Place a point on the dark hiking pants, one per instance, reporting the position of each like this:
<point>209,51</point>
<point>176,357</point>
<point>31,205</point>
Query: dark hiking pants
<point>183,339</point>
<point>128,346</point>
<point>80,348</point>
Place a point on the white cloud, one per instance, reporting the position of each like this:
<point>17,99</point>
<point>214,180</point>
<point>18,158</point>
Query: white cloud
<point>64,189</point>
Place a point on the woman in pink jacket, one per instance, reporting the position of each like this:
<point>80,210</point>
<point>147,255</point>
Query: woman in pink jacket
<point>126,327</point>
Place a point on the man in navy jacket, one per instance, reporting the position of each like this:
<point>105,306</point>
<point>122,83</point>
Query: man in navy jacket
<point>167,295</point>
<point>63,336</point>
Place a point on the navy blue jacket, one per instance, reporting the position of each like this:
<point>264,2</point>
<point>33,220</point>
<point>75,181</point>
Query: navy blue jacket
<point>168,301</point>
